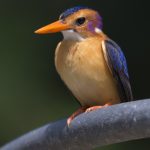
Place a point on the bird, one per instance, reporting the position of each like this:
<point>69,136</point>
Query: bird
<point>90,64</point>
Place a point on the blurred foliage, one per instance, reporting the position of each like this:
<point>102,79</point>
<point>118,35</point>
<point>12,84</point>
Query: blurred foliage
<point>31,92</point>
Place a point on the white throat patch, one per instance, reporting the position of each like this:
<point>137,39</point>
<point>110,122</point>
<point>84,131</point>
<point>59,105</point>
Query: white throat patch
<point>71,35</point>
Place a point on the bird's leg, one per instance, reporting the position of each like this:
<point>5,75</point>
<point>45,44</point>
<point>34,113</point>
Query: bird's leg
<point>76,113</point>
<point>97,107</point>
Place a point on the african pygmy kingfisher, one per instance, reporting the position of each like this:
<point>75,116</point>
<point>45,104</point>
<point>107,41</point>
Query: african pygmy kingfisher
<point>92,66</point>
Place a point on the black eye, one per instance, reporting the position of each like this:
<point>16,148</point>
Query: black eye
<point>80,21</point>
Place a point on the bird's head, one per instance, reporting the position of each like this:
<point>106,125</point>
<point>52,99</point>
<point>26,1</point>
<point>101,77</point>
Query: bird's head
<point>75,23</point>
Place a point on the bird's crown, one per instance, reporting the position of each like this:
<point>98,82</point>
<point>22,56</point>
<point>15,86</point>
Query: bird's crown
<point>71,11</point>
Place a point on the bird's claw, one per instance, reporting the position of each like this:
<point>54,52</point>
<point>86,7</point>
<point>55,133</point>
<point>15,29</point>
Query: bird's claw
<point>96,107</point>
<point>78,112</point>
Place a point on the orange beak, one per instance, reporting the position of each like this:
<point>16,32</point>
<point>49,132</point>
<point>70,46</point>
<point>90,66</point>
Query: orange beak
<point>53,27</point>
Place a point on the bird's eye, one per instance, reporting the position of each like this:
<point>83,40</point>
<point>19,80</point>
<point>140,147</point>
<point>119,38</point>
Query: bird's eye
<point>80,21</point>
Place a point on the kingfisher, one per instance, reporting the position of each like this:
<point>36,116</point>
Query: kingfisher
<point>91,65</point>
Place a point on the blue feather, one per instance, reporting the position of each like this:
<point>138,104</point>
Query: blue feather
<point>117,58</point>
<point>70,11</point>
<point>117,64</point>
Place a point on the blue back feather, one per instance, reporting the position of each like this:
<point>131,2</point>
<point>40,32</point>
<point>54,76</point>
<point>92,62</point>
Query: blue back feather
<point>70,11</point>
<point>117,57</point>
<point>118,65</point>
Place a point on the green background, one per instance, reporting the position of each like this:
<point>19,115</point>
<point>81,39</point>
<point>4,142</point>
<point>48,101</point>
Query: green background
<point>31,92</point>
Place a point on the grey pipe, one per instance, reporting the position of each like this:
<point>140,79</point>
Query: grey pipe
<point>114,124</point>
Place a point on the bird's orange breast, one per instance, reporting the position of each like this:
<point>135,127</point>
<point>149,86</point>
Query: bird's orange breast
<point>81,65</point>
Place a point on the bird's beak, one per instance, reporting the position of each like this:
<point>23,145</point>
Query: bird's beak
<point>53,27</point>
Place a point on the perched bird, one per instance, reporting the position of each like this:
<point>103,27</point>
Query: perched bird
<point>91,65</point>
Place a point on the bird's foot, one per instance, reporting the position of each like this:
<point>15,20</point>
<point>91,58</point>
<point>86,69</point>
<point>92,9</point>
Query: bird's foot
<point>84,109</point>
<point>97,107</point>
<point>76,113</point>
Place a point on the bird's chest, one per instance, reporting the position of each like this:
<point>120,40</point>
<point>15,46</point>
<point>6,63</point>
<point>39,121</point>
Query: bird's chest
<point>79,61</point>
<point>83,69</point>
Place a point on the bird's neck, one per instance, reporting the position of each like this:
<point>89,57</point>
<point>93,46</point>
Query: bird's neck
<point>75,36</point>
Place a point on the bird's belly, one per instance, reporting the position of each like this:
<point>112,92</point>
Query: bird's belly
<point>89,78</point>
<point>92,88</point>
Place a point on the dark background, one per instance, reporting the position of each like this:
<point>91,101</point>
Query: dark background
<point>31,92</point>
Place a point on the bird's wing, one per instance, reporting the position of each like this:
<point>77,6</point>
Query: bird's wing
<point>117,64</point>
